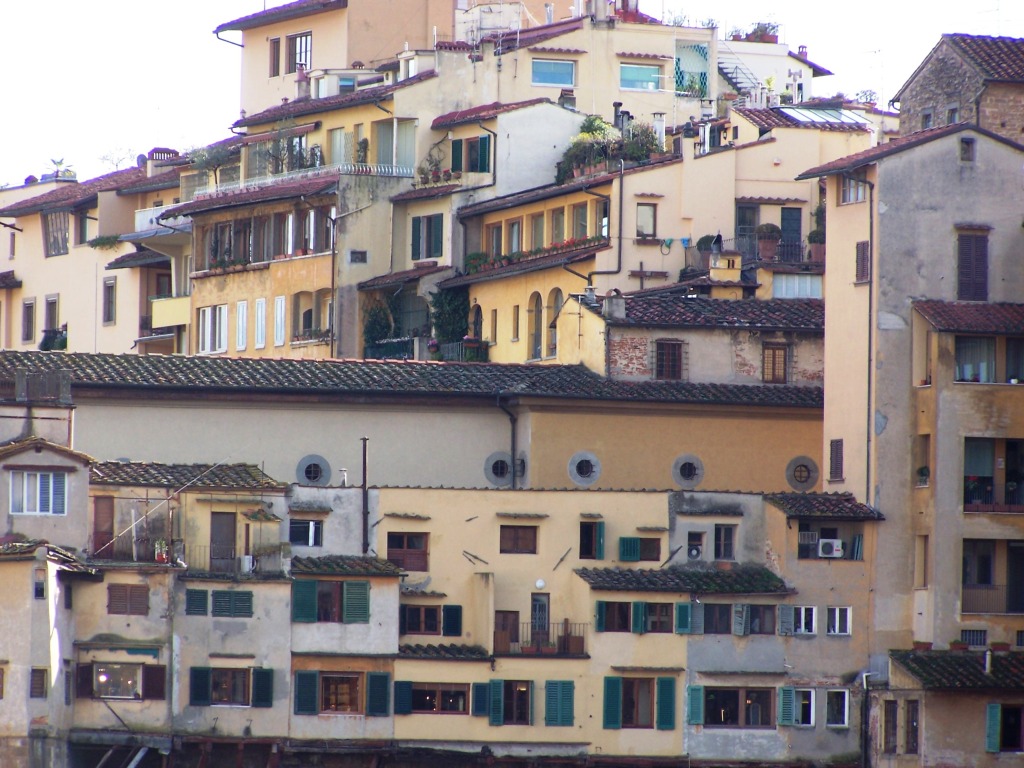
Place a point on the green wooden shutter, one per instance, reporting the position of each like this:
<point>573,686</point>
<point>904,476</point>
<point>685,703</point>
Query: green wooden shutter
<point>683,618</point>
<point>497,702</point>
<point>599,540</point>
<point>485,153</point>
<point>457,155</point>
<point>558,702</point>
<point>304,601</point>
<point>263,687</point>
<point>666,703</point>
<point>695,705</point>
<point>696,619</point>
<point>436,235</point>
<point>568,702</point>
<point>613,703</point>
<point>307,693</point>
<point>451,620</point>
<point>530,721</point>
<point>639,608</point>
<point>481,699</point>
<point>356,608</point>
<point>787,706</point>
<point>199,686</point>
<point>629,549</point>
<point>740,619</point>
<point>241,604</point>
<point>403,697</point>
<point>417,225</point>
<point>993,726</point>
<point>378,687</point>
<point>196,602</point>
<point>221,602</point>
<point>786,620</point>
<point>599,611</point>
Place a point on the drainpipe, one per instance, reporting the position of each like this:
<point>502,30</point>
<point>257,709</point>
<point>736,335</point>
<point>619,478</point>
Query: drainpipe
<point>366,501</point>
<point>865,740</point>
<point>512,419</point>
<point>868,498</point>
<point>618,265</point>
<point>224,40</point>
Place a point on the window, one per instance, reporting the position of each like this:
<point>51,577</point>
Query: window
<point>613,616</point>
<point>579,221</point>
<point>231,687</point>
<point>639,702</point>
<point>517,702</point>
<point>738,707</point>
<point>259,340</point>
<point>56,232</point>
<point>972,266</point>
<point>557,225</point>
<point>515,236</point>
<point>109,300</point>
<point>340,693</point>
<point>952,114</point>
<point>518,539</point>
<point>121,681</point>
<point>39,584</point>
<point>306,533</point>
<point>889,714</point>
<point>213,329</point>
<point>835,460</point>
<point>28,320</point>
<point>549,72</point>
<point>427,237</point>
<point>804,619</point>
<point>51,315</point>
<point>357,257</point>
<point>431,698</point>
<point>911,726</point>
<point>975,638</point>
<point>299,52</point>
<point>863,262</point>
<point>717,619</point>
<point>494,240</point>
<point>515,323</point>
<point>408,551</point>
<point>38,493</point>
<point>853,188</point>
<point>420,619</point>
<point>234,604</point>
<point>803,710</point>
<point>657,617</point>
<point>646,220</point>
<point>591,540</point>
<point>774,363</point>
<point>927,119</point>
<point>537,230</point>
<point>241,324</point>
<point>668,362</point>
<point>838,621</point>
<point>275,56</point>
<point>761,619</point>
<point>634,548</point>
<point>724,542</point>
<point>197,602</point>
<point>478,154</point>
<point>558,702</point>
<point>1004,728</point>
<point>38,683</point>
<point>128,599</point>
<point>279,320</point>
<point>345,602</point>
<point>967,150</point>
<point>639,77</point>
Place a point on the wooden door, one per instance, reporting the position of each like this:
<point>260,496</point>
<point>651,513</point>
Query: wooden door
<point>222,542</point>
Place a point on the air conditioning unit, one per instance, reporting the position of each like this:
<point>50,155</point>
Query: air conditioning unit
<point>248,563</point>
<point>694,552</point>
<point>830,548</point>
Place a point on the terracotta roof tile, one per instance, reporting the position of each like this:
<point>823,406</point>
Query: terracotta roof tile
<point>141,258</point>
<point>14,447</point>
<point>444,652</point>
<point>525,265</point>
<point>403,277</point>
<point>816,69</point>
<point>778,118</point>
<point>344,565</point>
<point>8,280</point>
<point>962,670</point>
<point>260,516</point>
<point>294,10</point>
<point>524,38</point>
<point>482,112</point>
<point>553,49</point>
<point>381,379</point>
<point>72,194</point>
<point>167,180</point>
<point>151,474</point>
<point>973,317</point>
<point>998,58</point>
<point>834,506</point>
<point>629,55</point>
<point>742,579</point>
<point>679,311</point>
<point>284,190</point>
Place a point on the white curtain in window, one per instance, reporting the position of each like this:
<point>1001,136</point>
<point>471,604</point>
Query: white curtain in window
<point>979,457</point>
<point>975,358</point>
<point>241,324</point>
<point>279,320</point>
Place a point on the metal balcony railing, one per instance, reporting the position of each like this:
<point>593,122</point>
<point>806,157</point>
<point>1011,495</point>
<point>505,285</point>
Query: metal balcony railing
<point>992,598</point>
<point>346,169</point>
<point>559,638</point>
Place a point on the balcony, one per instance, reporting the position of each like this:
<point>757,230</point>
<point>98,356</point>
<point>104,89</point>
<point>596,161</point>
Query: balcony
<point>227,559</point>
<point>992,598</point>
<point>559,638</point>
<point>170,311</point>
<point>754,250</point>
<point>345,169</point>
<point>312,336</point>
<point>146,328</point>
<point>981,494</point>
<point>146,219</point>
<point>126,548</point>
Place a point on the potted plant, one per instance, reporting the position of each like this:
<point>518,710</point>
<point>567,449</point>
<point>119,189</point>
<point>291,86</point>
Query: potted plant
<point>160,551</point>
<point>768,237</point>
<point>816,245</point>
<point>958,645</point>
<point>999,647</point>
<point>923,473</point>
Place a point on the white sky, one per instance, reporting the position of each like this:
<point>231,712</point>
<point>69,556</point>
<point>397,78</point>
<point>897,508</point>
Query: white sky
<point>84,80</point>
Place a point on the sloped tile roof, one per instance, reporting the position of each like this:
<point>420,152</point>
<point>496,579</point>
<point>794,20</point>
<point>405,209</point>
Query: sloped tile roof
<point>637,55</point>
<point>69,195</point>
<point>166,180</point>
<point>382,378</point>
<point>294,10</point>
<point>962,670</point>
<point>973,317</point>
<point>679,311</point>
<point>426,193</point>
<point>834,506</point>
<point>8,280</point>
<point>400,278</point>
<point>152,474</point>
<point>776,118</point>
<point>14,447</point>
<point>524,38</point>
<point>443,652</point>
<point>301,107</point>
<point>260,516</point>
<point>742,579</point>
<point>344,565</point>
<point>482,112</point>
<point>13,548</point>
<point>816,69</point>
<point>24,549</point>
<point>997,58</point>
<point>525,265</point>
<point>284,190</point>
<point>896,145</point>
<point>140,258</point>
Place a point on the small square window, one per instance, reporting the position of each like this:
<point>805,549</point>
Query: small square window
<point>803,711</point>
<point>804,620</point>
<point>976,638</point>
<point>725,546</point>
<point>967,150</point>
<point>837,709</point>
<point>518,539</point>
<point>838,621</point>
<point>305,533</point>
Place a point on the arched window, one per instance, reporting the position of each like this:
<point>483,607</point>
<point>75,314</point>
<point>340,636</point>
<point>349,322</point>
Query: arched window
<point>536,326</point>
<point>554,307</point>
<point>477,325</point>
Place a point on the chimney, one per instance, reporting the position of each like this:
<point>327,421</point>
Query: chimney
<point>802,51</point>
<point>589,295</point>
<point>301,83</point>
<point>614,306</point>
<point>549,13</point>
<point>988,661</point>
<point>600,10</point>
<point>617,106</point>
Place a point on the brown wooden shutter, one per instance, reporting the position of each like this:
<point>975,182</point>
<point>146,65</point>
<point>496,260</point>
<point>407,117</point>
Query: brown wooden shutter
<point>863,261</point>
<point>138,600</point>
<point>154,682</point>
<point>103,527</point>
<point>972,267</point>
<point>117,599</point>
<point>835,460</point>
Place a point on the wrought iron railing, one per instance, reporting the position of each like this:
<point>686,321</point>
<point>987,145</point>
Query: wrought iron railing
<point>992,598</point>
<point>559,638</point>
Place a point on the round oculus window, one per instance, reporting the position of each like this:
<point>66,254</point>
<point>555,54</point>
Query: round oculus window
<point>802,473</point>
<point>687,471</point>
<point>313,470</point>
<point>584,468</point>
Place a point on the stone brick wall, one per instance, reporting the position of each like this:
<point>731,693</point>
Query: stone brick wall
<point>1002,110</point>
<point>944,81</point>
<point>629,357</point>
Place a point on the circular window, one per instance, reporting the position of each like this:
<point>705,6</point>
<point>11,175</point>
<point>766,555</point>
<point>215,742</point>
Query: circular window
<point>584,468</point>
<point>313,470</point>
<point>802,473</point>
<point>498,468</point>
<point>687,471</point>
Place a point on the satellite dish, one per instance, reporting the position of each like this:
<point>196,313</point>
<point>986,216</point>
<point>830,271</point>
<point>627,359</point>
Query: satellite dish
<point>141,161</point>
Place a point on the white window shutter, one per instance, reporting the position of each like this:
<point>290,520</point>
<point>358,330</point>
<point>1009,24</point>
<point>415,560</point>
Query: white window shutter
<point>241,324</point>
<point>279,308</point>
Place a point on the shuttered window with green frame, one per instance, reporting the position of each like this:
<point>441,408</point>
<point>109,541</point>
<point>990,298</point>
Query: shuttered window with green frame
<point>558,702</point>
<point>993,726</point>
<point>629,549</point>
<point>232,604</point>
<point>200,680</point>
<point>262,687</point>
<point>695,705</point>
<point>307,692</point>
<point>378,689</point>
<point>665,706</point>
<point>197,602</point>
